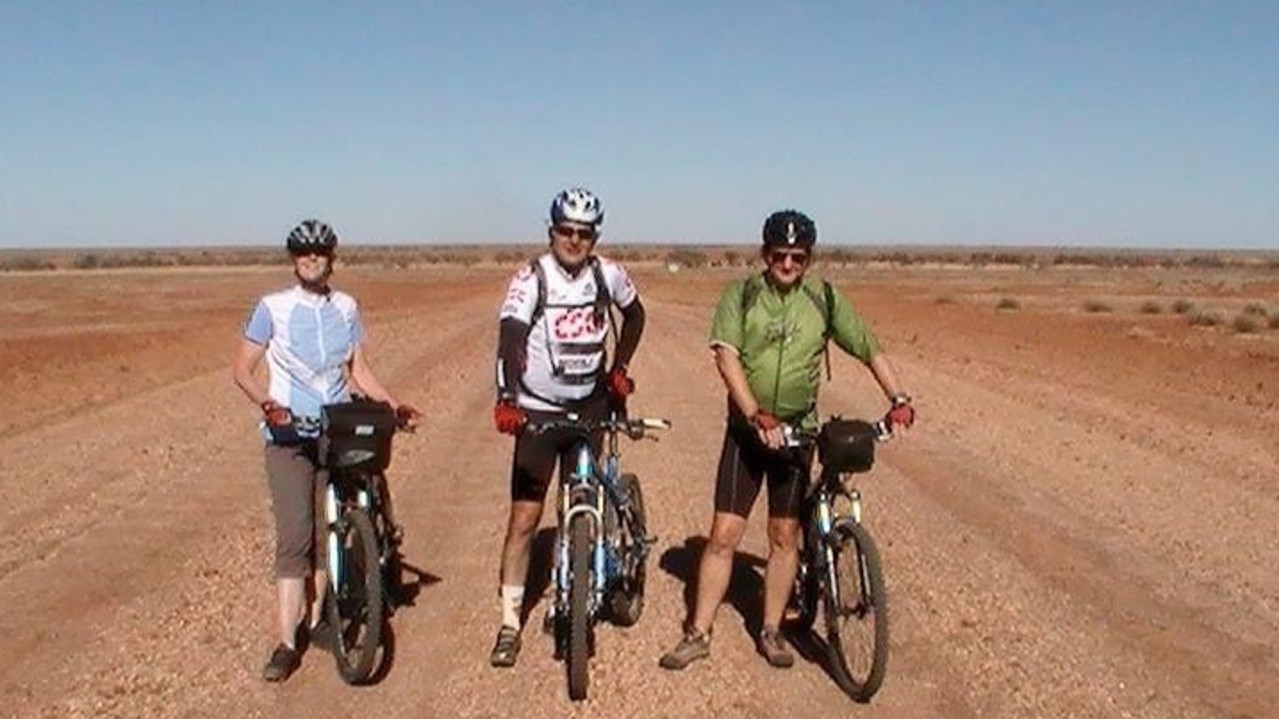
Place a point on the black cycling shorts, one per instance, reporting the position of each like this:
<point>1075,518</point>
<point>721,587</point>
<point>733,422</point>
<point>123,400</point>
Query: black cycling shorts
<point>535,454</point>
<point>745,462</point>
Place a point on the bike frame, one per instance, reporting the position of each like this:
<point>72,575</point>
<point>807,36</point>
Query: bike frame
<point>824,520</point>
<point>589,490</point>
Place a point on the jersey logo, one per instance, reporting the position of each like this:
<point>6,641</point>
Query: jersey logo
<point>577,323</point>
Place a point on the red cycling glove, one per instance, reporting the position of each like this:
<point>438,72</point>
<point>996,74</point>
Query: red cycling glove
<point>619,384</point>
<point>406,416</point>
<point>508,418</point>
<point>276,414</point>
<point>901,415</point>
<point>765,421</point>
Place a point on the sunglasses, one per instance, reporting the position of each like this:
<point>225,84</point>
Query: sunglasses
<point>308,253</point>
<point>777,257</point>
<point>582,233</point>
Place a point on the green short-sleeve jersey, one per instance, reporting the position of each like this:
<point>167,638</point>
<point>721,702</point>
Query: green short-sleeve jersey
<point>781,337</point>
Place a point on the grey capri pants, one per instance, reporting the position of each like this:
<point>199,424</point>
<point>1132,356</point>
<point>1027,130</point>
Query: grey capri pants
<point>296,493</point>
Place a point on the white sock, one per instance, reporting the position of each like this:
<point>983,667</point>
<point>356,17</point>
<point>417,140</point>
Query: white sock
<point>512,604</point>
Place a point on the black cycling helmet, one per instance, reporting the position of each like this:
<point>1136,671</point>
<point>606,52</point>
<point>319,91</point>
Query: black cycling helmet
<point>789,228</point>
<point>312,236</point>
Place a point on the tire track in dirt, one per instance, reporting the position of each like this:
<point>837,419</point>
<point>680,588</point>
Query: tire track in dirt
<point>1043,531</point>
<point>212,479</point>
<point>1010,499</point>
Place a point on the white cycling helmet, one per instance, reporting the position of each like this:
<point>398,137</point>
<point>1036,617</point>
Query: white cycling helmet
<point>577,205</point>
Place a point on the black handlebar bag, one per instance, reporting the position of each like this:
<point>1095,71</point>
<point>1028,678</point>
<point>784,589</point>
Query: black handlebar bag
<point>356,435</point>
<point>846,445</point>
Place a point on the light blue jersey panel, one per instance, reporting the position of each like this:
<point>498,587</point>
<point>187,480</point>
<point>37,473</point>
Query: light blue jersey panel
<point>322,341</point>
<point>309,341</point>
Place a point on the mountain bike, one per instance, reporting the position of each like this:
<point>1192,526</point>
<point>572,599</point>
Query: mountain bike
<point>602,543</point>
<point>839,569</point>
<point>363,544</point>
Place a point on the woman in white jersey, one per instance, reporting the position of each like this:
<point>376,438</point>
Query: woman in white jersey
<point>551,360</point>
<point>311,336</point>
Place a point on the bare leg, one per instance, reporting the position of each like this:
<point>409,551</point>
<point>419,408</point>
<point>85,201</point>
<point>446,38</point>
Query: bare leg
<point>525,516</point>
<point>783,563</point>
<point>291,595</point>
<point>716,568</point>
<point>319,585</point>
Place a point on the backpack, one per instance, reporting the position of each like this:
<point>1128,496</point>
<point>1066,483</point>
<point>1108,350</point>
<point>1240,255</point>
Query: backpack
<point>603,298</point>
<point>824,301</point>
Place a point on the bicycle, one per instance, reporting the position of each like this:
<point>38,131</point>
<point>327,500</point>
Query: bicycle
<point>602,542</point>
<point>839,569</point>
<point>363,544</point>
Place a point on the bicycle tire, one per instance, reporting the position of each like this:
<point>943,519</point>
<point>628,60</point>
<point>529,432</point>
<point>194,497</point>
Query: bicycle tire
<point>626,601</point>
<point>356,609</point>
<point>579,619</point>
<point>856,613</point>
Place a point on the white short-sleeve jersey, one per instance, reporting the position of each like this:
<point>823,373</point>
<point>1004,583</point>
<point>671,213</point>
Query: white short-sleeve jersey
<point>309,340</point>
<point>565,352</point>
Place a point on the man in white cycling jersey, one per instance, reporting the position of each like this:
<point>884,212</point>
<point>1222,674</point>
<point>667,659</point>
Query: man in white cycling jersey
<point>311,336</point>
<point>551,360</point>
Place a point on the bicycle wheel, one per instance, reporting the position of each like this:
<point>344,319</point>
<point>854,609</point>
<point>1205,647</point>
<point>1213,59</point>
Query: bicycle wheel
<point>856,609</point>
<point>579,618</point>
<point>356,608</point>
<point>626,600</point>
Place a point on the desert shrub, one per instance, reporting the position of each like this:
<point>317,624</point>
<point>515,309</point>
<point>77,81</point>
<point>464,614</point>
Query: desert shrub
<point>1254,308</point>
<point>509,257</point>
<point>24,263</point>
<point>731,258</point>
<point>1008,303</point>
<point>1151,307</point>
<point>1182,307</point>
<point>1246,323</point>
<point>945,300</point>
<point>840,257</point>
<point>1205,318</point>
<point>86,262</point>
<point>686,257</point>
<point>1274,320</point>
<point>1206,261</point>
<point>1096,305</point>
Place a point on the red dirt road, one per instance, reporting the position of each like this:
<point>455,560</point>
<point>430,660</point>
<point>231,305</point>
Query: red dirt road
<point>1083,524</point>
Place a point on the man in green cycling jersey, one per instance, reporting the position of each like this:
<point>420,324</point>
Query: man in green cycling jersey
<point>769,336</point>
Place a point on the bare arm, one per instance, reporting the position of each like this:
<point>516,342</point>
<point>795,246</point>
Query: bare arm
<point>886,375</point>
<point>364,379</point>
<point>247,358</point>
<point>734,375</point>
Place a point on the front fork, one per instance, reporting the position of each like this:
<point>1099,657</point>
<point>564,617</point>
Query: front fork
<point>332,516</point>
<point>578,497</point>
<point>818,555</point>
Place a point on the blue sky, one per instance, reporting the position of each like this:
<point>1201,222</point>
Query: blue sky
<point>1082,123</point>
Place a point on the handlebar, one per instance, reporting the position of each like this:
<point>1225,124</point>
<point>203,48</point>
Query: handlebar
<point>635,428</point>
<point>795,437</point>
<point>300,426</point>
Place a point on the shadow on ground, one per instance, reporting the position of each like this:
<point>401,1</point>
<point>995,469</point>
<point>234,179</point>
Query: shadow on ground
<point>745,586</point>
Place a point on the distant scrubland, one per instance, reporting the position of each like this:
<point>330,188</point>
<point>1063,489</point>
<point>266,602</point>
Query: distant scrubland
<point>692,256</point>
